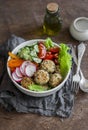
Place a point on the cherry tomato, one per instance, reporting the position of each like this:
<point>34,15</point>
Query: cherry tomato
<point>42,51</point>
<point>49,56</point>
<point>54,49</point>
<point>55,55</point>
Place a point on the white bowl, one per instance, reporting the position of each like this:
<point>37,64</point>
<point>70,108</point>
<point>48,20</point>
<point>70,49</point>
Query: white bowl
<point>79,29</point>
<point>29,92</point>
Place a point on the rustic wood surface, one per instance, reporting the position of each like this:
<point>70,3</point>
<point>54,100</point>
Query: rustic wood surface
<point>24,18</point>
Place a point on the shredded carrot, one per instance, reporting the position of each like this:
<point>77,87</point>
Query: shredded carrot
<point>13,55</point>
<point>12,69</point>
<point>15,62</point>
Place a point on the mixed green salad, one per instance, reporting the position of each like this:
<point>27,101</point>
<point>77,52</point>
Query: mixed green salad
<point>41,66</point>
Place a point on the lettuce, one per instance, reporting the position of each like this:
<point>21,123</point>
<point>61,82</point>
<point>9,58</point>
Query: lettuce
<point>64,59</point>
<point>38,88</point>
<point>48,43</point>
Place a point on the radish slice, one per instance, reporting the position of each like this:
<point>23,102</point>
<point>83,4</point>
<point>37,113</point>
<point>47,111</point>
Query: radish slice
<point>22,67</point>
<point>18,72</point>
<point>15,77</point>
<point>24,70</point>
<point>30,70</point>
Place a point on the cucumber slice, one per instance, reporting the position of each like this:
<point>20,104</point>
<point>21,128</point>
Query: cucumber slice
<point>36,48</point>
<point>37,60</point>
<point>33,53</point>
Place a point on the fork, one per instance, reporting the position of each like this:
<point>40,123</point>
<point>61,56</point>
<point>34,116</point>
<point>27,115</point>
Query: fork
<point>76,76</point>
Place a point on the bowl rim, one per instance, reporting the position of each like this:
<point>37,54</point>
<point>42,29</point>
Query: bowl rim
<point>27,91</point>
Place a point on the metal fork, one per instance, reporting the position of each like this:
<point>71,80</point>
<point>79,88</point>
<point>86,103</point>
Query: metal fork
<point>76,77</point>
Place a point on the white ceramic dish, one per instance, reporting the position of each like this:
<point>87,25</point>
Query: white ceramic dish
<point>29,92</point>
<point>84,89</point>
<point>79,29</point>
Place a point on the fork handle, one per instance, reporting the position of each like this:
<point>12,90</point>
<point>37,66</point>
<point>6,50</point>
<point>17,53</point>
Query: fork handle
<point>81,50</point>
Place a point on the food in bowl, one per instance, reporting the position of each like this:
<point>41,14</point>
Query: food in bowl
<point>40,66</point>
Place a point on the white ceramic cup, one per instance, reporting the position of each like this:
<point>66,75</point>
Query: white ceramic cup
<point>79,29</point>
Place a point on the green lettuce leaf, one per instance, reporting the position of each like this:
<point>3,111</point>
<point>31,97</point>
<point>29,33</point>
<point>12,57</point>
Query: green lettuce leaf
<point>65,59</point>
<point>35,87</point>
<point>48,43</point>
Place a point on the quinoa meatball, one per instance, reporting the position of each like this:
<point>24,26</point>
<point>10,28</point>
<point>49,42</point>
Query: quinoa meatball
<point>48,65</point>
<point>41,77</point>
<point>26,81</point>
<point>55,79</point>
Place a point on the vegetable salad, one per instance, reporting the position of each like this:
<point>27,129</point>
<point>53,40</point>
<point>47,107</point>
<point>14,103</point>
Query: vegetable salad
<point>41,66</point>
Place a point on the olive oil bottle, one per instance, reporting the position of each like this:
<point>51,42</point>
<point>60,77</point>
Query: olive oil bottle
<point>52,20</point>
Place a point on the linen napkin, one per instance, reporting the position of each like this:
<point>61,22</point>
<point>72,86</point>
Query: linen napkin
<point>58,104</point>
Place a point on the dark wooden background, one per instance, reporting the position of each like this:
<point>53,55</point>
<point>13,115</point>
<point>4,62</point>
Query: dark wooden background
<point>24,18</point>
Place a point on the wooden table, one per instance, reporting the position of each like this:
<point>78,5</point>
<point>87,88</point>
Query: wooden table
<point>24,18</point>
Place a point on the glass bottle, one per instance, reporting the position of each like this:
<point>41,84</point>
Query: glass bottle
<point>52,20</point>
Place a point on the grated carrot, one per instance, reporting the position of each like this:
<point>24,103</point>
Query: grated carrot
<point>13,55</point>
<point>14,62</point>
<point>12,69</point>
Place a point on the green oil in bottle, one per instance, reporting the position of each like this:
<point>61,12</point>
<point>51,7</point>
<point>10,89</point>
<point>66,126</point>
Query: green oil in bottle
<point>52,20</point>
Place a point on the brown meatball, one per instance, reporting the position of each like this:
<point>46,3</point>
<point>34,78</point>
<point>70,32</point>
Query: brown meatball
<point>55,79</point>
<point>48,65</point>
<point>41,77</point>
<point>26,81</point>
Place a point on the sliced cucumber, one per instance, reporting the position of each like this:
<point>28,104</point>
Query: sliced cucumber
<point>37,60</point>
<point>36,48</point>
<point>33,53</point>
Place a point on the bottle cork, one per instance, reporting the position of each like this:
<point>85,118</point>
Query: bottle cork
<point>52,7</point>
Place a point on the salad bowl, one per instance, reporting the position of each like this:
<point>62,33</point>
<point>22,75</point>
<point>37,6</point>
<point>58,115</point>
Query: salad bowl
<point>28,91</point>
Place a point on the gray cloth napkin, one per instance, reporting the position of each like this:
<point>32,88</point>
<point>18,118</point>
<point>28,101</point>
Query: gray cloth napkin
<point>58,104</point>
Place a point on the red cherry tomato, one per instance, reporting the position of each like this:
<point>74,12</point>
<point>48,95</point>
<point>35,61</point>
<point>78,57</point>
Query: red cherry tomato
<point>49,56</point>
<point>55,55</point>
<point>54,49</point>
<point>42,50</point>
